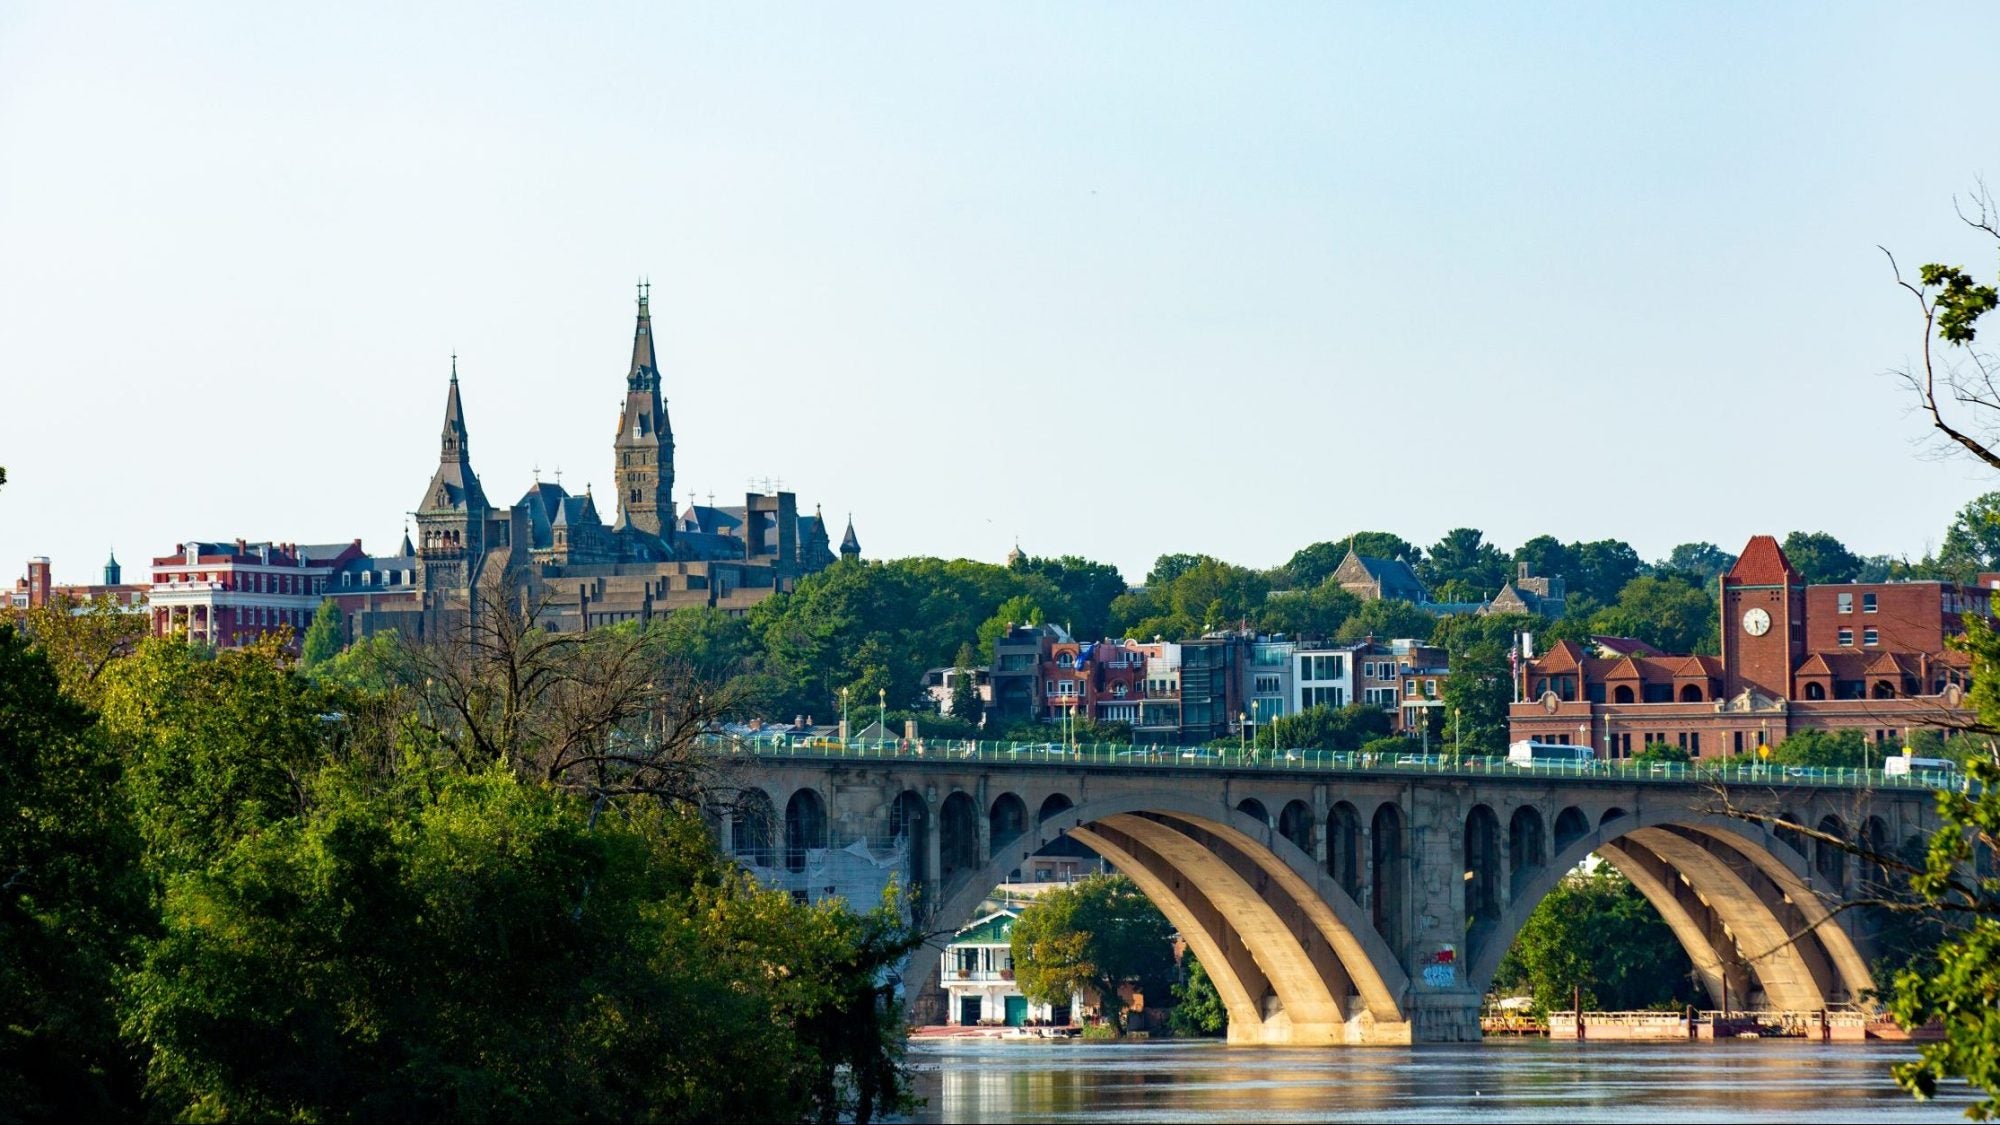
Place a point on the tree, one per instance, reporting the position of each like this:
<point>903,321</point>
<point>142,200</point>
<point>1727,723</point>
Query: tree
<point>322,640</point>
<point>1476,696</point>
<point>1952,386</point>
<point>342,965</point>
<point>1463,556</point>
<point>1097,933</point>
<point>1821,558</point>
<point>1317,612</point>
<point>1198,1007</point>
<point>1703,563</point>
<point>1014,611</point>
<point>1972,542</point>
<point>1546,555</point>
<point>965,702</point>
<point>1086,590</point>
<point>1166,568</point>
<point>1329,728</point>
<point>81,640</point>
<point>1842,749</point>
<point>1671,614</point>
<point>1596,933</point>
<point>71,900</point>
<point>1603,568</point>
<point>1386,619</point>
<point>1661,753</point>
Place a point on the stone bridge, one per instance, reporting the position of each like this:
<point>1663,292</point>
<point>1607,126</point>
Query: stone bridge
<point>1336,903</point>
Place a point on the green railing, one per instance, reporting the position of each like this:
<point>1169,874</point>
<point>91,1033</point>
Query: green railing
<point>1201,758</point>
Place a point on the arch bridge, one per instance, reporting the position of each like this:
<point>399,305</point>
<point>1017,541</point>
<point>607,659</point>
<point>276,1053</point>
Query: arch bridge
<point>1359,905</point>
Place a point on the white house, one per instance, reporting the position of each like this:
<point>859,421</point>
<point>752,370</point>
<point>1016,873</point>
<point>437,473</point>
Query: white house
<point>978,978</point>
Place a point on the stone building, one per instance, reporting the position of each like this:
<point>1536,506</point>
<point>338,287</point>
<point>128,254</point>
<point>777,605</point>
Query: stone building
<point>585,571</point>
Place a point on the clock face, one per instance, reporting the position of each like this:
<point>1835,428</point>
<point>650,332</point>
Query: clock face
<point>1756,623</point>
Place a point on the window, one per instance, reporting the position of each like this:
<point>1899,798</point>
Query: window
<point>1118,690</point>
<point>1846,637</point>
<point>1430,689</point>
<point>1846,602</point>
<point>1065,660</point>
<point>1868,636</point>
<point>1410,689</point>
<point>1267,685</point>
<point>1868,603</point>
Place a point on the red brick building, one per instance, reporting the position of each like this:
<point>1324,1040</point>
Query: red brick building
<point>1102,680</point>
<point>37,588</point>
<point>1861,656</point>
<point>229,594</point>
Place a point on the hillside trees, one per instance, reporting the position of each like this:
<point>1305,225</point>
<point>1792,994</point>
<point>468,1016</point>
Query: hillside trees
<point>1097,933</point>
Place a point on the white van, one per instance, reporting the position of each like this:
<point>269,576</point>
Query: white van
<point>1528,753</point>
<point>1897,764</point>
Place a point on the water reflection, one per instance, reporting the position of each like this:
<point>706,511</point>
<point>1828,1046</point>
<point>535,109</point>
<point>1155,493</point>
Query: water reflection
<point>1525,1080</point>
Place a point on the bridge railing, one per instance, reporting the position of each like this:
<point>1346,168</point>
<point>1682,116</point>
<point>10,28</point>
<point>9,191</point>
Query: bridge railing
<point>1120,755</point>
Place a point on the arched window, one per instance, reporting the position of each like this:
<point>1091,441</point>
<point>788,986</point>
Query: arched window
<point>1065,660</point>
<point>1883,689</point>
<point>1690,693</point>
<point>1621,694</point>
<point>1815,691</point>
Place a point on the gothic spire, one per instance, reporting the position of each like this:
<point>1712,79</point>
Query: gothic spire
<point>453,438</point>
<point>644,374</point>
<point>850,547</point>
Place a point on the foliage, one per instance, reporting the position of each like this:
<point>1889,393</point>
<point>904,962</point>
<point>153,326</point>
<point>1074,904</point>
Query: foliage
<point>1198,1008</point>
<point>342,965</point>
<point>1956,883</point>
<point>322,639</point>
<point>1843,749</point>
<point>1097,933</point>
<point>1316,612</point>
<point>1476,696</point>
<point>1703,563</point>
<point>1821,558</point>
<point>1661,753</point>
<point>1972,542</point>
<point>1328,728</point>
<point>966,705</point>
<point>81,640</point>
<point>1669,613</point>
<point>1386,619</point>
<point>1596,932</point>
<point>1085,590</point>
<point>1463,556</point>
<point>71,899</point>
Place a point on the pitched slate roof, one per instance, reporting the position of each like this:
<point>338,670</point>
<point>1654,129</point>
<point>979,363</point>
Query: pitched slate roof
<point>996,928</point>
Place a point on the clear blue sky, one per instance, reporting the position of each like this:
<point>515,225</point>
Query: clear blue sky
<point>1119,280</point>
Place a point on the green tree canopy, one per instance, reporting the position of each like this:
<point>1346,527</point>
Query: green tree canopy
<point>1328,728</point>
<point>1596,933</point>
<point>322,639</point>
<point>1464,556</point>
<point>1671,614</point>
<point>1198,1007</point>
<point>1097,933</point>
<point>1316,612</point>
<point>1821,558</point>
<point>1386,619</point>
<point>1702,563</point>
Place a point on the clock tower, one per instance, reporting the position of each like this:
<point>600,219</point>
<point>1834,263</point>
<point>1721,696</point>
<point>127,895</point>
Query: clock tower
<point>1763,621</point>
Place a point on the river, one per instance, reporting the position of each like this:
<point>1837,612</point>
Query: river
<point>1498,1080</point>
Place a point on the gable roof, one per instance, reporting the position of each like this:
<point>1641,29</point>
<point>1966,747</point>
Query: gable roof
<point>996,928</point>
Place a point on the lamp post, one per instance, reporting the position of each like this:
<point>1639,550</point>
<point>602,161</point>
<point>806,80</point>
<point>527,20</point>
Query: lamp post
<point>843,717</point>
<point>882,712</point>
<point>1242,727</point>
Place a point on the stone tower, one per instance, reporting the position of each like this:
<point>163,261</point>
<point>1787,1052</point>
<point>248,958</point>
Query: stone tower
<point>452,516</point>
<point>645,445</point>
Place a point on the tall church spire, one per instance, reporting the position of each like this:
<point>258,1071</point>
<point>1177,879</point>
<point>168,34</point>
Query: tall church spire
<point>644,449</point>
<point>453,439</point>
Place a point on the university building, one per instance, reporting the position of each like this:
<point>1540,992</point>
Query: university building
<point>586,570</point>
<point>1795,657</point>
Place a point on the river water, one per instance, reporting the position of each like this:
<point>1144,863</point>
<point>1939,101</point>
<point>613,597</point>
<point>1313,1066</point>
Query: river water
<point>1498,1080</point>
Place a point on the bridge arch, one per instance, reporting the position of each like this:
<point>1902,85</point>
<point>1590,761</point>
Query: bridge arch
<point>1343,848</point>
<point>1295,823</point>
<point>1742,901</point>
<point>1007,819</point>
<point>805,827</point>
<point>958,834</point>
<point>1296,959</point>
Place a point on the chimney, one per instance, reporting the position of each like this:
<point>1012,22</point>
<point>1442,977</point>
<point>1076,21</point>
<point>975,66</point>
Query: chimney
<point>1524,572</point>
<point>798,720</point>
<point>809,720</point>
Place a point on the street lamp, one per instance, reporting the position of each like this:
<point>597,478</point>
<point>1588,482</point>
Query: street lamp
<point>1242,726</point>
<point>882,712</point>
<point>843,716</point>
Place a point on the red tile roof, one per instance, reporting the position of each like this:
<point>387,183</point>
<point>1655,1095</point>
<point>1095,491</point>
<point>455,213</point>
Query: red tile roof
<point>1763,563</point>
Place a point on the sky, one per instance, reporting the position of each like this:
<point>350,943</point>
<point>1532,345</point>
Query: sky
<point>1112,280</point>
